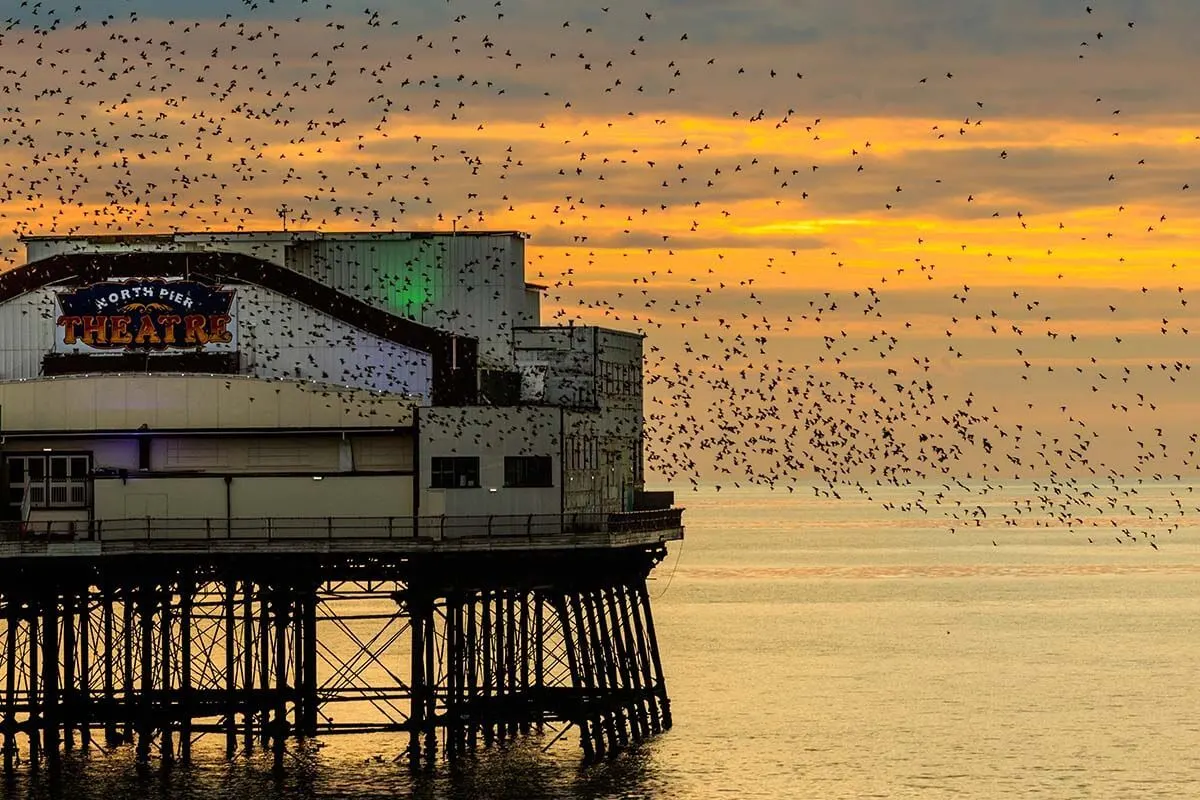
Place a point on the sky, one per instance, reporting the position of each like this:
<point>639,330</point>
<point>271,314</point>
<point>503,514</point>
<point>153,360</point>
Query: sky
<point>863,238</point>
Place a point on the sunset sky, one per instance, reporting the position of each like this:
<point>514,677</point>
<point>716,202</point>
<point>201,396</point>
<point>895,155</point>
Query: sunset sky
<point>881,173</point>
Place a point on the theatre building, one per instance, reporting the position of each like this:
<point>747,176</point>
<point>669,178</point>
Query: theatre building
<point>242,471</point>
<point>323,384</point>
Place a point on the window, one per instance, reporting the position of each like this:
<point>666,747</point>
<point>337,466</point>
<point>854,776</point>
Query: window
<point>55,480</point>
<point>581,452</point>
<point>620,380</point>
<point>454,472</point>
<point>528,471</point>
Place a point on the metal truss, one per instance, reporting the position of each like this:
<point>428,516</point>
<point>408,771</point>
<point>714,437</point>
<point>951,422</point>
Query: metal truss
<point>260,655</point>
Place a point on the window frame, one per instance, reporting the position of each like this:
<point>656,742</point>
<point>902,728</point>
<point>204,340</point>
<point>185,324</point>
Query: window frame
<point>520,472</point>
<point>47,486</point>
<point>454,472</point>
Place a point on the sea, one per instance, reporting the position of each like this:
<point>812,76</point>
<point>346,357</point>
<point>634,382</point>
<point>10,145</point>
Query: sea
<point>843,647</point>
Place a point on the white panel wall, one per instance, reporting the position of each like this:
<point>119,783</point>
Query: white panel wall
<point>253,498</point>
<point>333,496</point>
<point>490,433</point>
<point>532,315</point>
<point>126,402</point>
<point>190,498</point>
<point>27,326</point>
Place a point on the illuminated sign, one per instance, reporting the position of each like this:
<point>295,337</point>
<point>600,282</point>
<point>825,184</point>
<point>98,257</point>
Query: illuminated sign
<point>146,314</point>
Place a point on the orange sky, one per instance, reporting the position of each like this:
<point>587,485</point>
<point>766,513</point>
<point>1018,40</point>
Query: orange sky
<point>677,168</point>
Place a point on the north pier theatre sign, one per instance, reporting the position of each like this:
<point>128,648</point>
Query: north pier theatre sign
<point>146,314</point>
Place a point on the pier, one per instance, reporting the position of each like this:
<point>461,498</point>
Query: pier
<point>477,630</point>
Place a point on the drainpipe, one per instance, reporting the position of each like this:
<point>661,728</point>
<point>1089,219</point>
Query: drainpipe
<point>228,506</point>
<point>562,464</point>
<point>416,471</point>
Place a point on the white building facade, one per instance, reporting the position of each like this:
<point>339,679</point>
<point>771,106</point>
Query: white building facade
<point>323,382</point>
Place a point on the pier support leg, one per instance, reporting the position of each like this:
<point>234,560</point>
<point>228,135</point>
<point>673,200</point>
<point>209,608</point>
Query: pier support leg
<point>110,655</point>
<point>281,605</point>
<point>660,684</point>
<point>231,705</point>
<point>581,684</point>
<point>471,655</point>
<point>83,682</point>
<point>416,713</point>
<point>187,590</point>
<point>166,691</point>
<point>34,721</point>
<point>248,666</point>
<point>12,622</point>
<point>308,660</point>
<point>67,705</point>
<point>488,636</point>
<point>128,650</point>
<point>145,724</point>
<point>51,698</point>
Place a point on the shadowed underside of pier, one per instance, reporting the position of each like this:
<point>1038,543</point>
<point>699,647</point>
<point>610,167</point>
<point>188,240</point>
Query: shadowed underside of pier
<point>448,651</point>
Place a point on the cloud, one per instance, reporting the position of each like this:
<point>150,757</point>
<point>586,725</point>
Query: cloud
<point>660,166</point>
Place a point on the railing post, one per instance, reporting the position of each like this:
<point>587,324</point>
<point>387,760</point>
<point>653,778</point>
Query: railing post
<point>207,528</point>
<point>442,527</point>
<point>489,527</point>
<point>329,526</point>
<point>529,526</point>
<point>147,529</point>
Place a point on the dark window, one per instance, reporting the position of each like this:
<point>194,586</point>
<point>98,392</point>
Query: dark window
<point>55,481</point>
<point>528,471</point>
<point>454,472</point>
<point>79,468</point>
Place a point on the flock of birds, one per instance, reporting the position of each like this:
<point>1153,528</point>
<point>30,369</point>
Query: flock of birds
<point>688,183</point>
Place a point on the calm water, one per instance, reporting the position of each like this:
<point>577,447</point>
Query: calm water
<point>824,650</point>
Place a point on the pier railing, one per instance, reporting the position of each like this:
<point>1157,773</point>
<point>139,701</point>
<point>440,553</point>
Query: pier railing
<point>545,528</point>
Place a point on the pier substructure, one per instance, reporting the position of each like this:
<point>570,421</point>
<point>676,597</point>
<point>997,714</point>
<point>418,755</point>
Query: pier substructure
<point>448,651</point>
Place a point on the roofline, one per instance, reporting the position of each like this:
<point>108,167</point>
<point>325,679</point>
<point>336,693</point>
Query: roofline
<point>109,433</point>
<point>293,235</point>
<point>304,385</point>
<point>617,331</point>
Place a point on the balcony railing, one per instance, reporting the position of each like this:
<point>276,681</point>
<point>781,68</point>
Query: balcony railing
<point>533,527</point>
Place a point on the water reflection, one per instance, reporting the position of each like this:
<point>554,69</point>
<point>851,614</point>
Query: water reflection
<point>516,770</point>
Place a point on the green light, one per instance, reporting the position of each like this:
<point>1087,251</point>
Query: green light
<point>411,294</point>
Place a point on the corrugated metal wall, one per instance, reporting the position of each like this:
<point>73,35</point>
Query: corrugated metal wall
<point>27,326</point>
<point>473,285</point>
<point>282,338</point>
